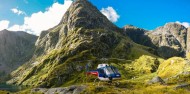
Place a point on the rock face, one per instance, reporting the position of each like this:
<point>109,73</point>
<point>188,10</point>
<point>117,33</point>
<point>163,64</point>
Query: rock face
<point>169,40</point>
<point>15,49</point>
<point>84,35</point>
<point>138,35</point>
<point>188,43</point>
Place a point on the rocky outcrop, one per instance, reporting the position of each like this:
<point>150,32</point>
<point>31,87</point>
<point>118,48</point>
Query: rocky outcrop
<point>169,40</point>
<point>138,35</point>
<point>15,49</point>
<point>66,90</point>
<point>188,43</point>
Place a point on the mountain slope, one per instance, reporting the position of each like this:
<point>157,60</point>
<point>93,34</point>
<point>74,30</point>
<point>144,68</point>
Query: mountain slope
<point>15,49</point>
<point>84,36</point>
<point>169,40</point>
<point>138,35</point>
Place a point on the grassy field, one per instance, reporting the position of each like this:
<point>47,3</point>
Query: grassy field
<point>131,86</point>
<point>135,77</point>
<point>134,86</point>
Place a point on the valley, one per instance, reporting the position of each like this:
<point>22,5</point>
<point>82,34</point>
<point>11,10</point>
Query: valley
<point>150,62</point>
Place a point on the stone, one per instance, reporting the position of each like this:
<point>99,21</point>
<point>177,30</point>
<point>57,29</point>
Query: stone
<point>183,86</point>
<point>42,90</point>
<point>156,79</point>
<point>65,90</point>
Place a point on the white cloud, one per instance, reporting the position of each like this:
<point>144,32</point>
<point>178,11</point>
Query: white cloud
<point>4,24</point>
<point>186,24</point>
<point>40,21</point>
<point>16,28</point>
<point>18,12</point>
<point>110,13</point>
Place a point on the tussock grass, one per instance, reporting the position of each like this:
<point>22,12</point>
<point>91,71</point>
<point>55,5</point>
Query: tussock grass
<point>171,67</point>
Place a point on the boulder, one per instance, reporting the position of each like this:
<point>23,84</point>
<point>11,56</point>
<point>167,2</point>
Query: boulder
<point>183,86</point>
<point>155,80</point>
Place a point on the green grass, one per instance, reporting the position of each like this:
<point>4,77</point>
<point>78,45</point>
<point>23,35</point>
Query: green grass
<point>132,87</point>
<point>171,67</point>
<point>4,92</point>
<point>128,84</point>
<point>146,64</point>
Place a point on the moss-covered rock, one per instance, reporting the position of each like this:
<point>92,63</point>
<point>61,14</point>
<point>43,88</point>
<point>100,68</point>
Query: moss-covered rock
<point>147,64</point>
<point>175,70</point>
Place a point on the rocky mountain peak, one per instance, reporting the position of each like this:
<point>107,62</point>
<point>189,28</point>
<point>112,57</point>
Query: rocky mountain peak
<point>169,40</point>
<point>4,30</point>
<point>81,18</point>
<point>170,28</point>
<point>83,14</point>
<point>129,26</point>
<point>170,36</point>
<point>174,25</point>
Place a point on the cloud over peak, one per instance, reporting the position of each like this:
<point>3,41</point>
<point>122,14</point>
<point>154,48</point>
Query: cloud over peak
<point>186,24</point>
<point>40,21</point>
<point>110,13</point>
<point>4,24</point>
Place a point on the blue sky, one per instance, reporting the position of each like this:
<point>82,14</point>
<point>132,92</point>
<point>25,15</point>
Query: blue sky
<point>147,14</point>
